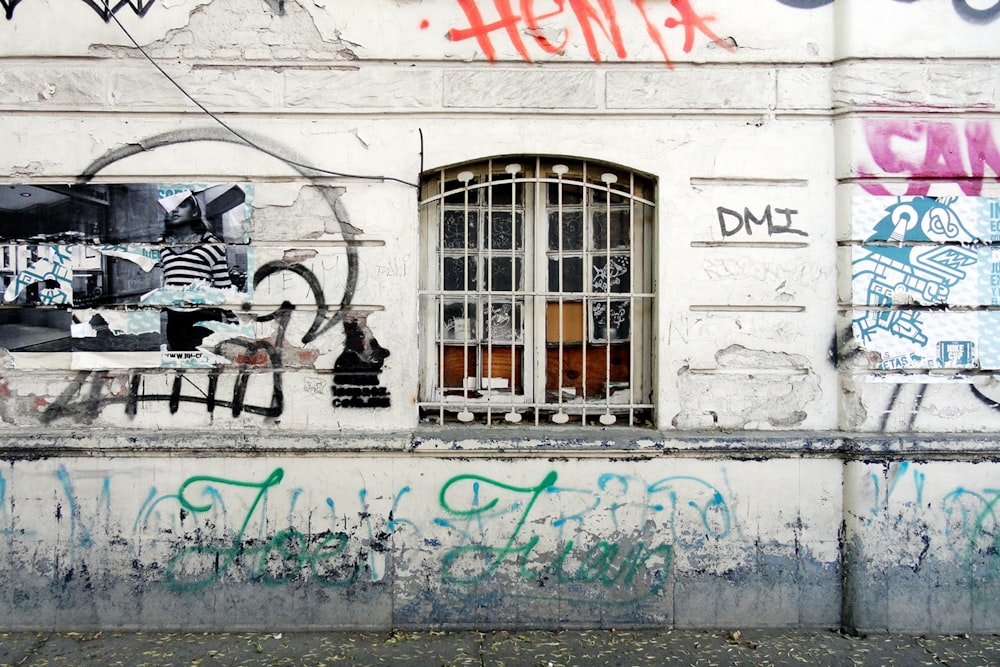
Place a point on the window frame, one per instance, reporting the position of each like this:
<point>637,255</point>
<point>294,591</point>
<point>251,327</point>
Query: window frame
<point>623,190</point>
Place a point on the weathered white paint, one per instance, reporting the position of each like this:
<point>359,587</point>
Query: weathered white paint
<point>417,541</point>
<point>794,109</point>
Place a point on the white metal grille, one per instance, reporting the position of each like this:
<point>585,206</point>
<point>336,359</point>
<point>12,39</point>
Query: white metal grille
<point>537,293</point>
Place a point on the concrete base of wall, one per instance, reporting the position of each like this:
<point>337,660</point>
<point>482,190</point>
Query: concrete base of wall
<point>483,530</point>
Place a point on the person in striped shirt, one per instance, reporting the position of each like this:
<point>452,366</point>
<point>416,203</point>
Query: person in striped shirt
<point>192,256</point>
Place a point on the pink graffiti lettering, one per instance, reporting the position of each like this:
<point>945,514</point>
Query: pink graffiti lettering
<point>932,151</point>
<point>591,18</point>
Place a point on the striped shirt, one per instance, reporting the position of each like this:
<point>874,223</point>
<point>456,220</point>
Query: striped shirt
<point>204,263</point>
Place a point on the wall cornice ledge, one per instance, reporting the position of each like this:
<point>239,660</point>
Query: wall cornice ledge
<point>512,442</point>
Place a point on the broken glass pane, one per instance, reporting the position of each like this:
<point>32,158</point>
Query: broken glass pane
<point>611,273</point>
<point>572,230</point>
<point>455,273</point>
<point>619,230</point>
<point>572,274</point>
<point>460,230</point>
<point>620,320</point>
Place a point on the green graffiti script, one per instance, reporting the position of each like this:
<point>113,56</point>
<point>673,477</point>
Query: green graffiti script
<point>285,555</point>
<point>602,563</point>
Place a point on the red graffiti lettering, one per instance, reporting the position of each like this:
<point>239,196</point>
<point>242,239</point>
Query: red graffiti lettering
<point>652,30</point>
<point>481,31</point>
<point>691,21</point>
<point>533,27</point>
<point>932,150</point>
<point>593,18</point>
<point>586,14</point>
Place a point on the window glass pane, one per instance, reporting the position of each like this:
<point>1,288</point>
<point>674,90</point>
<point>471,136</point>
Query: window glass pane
<point>572,230</point>
<point>458,197</point>
<point>459,321</point>
<point>482,301</point>
<point>617,226</point>
<point>611,273</point>
<point>644,216</point>
<point>572,195</point>
<point>572,274</point>
<point>599,194</point>
<point>500,233</point>
<point>505,274</point>
<point>504,322</point>
<point>503,193</point>
<point>455,273</point>
<point>620,320</point>
<point>457,232</point>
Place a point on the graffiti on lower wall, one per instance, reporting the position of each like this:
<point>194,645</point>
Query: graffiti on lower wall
<point>930,521</point>
<point>443,540</point>
<point>605,539</point>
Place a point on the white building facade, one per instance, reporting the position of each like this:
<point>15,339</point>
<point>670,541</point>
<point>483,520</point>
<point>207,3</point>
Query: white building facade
<point>500,314</point>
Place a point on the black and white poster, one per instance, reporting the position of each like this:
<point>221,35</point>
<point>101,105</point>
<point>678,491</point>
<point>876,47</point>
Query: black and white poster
<point>122,275</point>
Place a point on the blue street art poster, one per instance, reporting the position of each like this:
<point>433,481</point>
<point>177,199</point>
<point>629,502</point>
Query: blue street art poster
<point>923,280</point>
<point>124,275</point>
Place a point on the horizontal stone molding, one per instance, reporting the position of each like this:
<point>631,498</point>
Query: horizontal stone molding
<point>916,85</point>
<point>478,443</point>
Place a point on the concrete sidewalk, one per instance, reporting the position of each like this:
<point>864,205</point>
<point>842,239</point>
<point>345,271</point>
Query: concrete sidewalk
<point>496,649</point>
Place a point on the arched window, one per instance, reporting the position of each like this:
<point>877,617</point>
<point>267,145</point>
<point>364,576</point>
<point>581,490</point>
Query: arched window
<point>536,296</point>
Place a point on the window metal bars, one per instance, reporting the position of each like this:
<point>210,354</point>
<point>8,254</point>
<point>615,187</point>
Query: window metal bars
<point>480,331</point>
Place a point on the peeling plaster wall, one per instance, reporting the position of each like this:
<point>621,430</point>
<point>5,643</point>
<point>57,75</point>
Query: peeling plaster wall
<point>823,357</point>
<point>439,542</point>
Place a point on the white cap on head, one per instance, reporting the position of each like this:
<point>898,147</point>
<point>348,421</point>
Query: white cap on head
<point>213,200</point>
<point>173,201</point>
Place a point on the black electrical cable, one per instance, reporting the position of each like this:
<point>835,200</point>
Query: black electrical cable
<point>242,138</point>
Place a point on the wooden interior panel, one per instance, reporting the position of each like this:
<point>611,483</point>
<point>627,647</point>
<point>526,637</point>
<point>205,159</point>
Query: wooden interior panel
<point>572,322</point>
<point>454,369</point>
<point>572,372</point>
<point>499,367</point>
